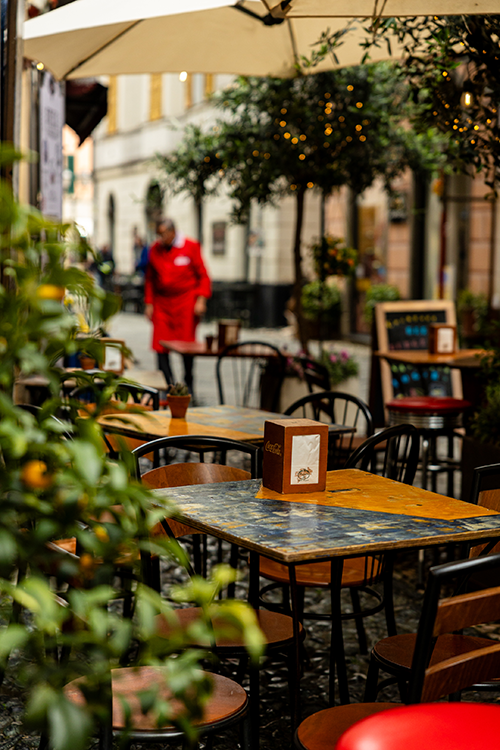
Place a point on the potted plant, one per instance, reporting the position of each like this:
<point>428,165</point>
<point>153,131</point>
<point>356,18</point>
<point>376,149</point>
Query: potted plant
<point>54,488</point>
<point>378,293</point>
<point>340,365</point>
<point>481,444</point>
<point>178,398</point>
<point>321,298</point>
<point>472,310</point>
<point>322,309</point>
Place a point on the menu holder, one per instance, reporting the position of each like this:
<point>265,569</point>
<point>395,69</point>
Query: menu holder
<point>228,332</point>
<point>295,455</point>
<point>113,359</point>
<point>442,338</point>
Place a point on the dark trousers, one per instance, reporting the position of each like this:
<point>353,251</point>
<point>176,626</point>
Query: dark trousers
<point>164,366</point>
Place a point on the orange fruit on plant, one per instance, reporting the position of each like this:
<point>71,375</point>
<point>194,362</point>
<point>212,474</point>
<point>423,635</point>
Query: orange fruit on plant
<point>50,291</point>
<point>34,475</point>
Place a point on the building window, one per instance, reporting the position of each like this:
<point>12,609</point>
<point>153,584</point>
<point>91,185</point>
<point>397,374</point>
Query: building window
<point>111,222</point>
<point>198,87</point>
<point>112,104</point>
<point>154,208</point>
<point>155,100</point>
<point>219,238</point>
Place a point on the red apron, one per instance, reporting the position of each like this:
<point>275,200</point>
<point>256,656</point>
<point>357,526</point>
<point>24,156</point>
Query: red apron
<point>175,278</point>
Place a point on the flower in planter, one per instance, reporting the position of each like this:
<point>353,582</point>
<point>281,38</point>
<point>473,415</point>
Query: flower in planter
<point>340,365</point>
<point>332,257</point>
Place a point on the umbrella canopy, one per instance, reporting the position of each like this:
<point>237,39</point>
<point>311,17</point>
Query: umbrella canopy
<point>102,37</point>
<point>383,8</point>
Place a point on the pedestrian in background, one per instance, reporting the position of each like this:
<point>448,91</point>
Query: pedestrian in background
<point>176,290</point>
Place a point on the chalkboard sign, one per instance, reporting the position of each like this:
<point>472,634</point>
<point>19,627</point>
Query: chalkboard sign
<point>404,326</point>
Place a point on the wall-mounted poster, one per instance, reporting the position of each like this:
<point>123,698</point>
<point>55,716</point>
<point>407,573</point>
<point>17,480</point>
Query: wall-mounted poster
<point>52,102</point>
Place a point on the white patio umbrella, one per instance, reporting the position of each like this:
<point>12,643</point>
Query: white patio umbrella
<point>110,37</point>
<point>384,8</point>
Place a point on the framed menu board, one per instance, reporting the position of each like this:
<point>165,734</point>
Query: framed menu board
<point>404,326</point>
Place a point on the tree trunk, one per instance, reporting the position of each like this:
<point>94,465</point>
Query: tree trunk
<point>299,278</point>
<point>199,219</point>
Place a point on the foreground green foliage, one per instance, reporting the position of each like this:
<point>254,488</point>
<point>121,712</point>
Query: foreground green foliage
<point>57,486</point>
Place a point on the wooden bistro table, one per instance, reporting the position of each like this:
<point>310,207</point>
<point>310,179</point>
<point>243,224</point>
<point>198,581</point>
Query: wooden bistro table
<point>359,513</point>
<point>225,420</point>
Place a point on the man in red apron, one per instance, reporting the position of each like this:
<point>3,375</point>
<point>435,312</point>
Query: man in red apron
<point>176,290</point>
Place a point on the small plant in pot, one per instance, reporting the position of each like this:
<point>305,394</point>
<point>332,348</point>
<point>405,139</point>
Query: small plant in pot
<point>178,398</point>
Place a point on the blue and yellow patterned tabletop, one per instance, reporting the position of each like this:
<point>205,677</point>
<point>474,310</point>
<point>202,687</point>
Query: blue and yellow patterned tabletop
<point>358,513</point>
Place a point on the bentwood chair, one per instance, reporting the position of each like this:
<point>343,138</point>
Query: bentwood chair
<point>184,473</point>
<point>276,627</point>
<point>315,374</point>
<point>430,677</point>
<point>398,461</point>
<point>394,655</point>
<point>335,407</point>
<point>250,374</point>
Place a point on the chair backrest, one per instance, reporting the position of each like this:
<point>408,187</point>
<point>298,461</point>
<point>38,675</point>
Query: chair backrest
<point>202,444</point>
<point>391,453</point>
<point>485,489</point>
<point>336,407</point>
<point>315,374</point>
<point>485,492</point>
<point>447,615</point>
<point>184,474</point>
<point>143,396</point>
<point>250,373</point>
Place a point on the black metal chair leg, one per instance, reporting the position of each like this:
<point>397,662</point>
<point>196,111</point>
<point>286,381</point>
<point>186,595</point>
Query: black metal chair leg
<point>390,618</point>
<point>358,620</point>
<point>371,682</point>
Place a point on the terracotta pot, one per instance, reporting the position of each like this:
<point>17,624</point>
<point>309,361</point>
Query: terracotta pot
<point>87,363</point>
<point>178,405</point>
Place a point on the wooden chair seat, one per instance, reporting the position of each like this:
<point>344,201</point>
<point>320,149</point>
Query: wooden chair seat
<point>430,679</point>
<point>276,628</point>
<point>227,701</point>
<point>394,654</point>
<point>68,545</point>
<point>322,730</point>
<point>318,574</point>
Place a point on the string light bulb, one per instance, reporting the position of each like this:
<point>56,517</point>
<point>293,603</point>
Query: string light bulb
<point>183,76</point>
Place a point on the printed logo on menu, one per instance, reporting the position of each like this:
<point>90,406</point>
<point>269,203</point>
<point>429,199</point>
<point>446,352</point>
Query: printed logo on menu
<point>273,448</point>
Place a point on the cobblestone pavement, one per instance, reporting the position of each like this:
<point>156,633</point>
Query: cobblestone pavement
<point>275,715</point>
<point>275,712</point>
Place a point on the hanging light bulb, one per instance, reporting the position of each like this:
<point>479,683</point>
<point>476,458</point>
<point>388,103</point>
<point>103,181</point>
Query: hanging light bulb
<point>467,98</point>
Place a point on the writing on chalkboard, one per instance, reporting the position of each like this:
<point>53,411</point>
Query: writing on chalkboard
<point>410,331</point>
<point>404,326</point>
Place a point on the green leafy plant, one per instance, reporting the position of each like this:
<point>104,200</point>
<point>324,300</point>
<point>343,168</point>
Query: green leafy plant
<point>340,365</point>
<point>55,485</point>
<point>485,425</point>
<point>178,389</point>
<point>473,305</point>
<point>378,293</point>
<point>321,301</point>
